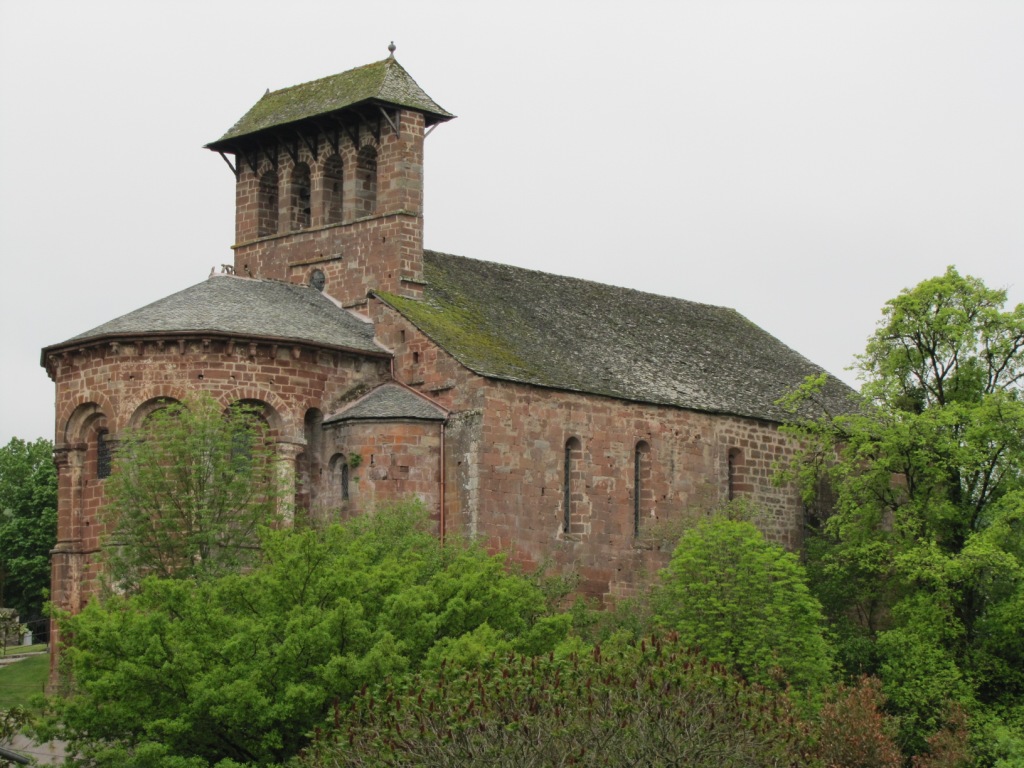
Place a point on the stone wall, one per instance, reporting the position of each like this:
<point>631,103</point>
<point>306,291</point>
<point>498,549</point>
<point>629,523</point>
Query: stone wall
<point>105,387</point>
<point>362,234</point>
<point>506,468</point>
<point>381,461</point>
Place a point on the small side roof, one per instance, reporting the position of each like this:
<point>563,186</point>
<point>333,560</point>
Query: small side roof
<point>239,306</point>
<point>390,401</point>
<point>516,324</point>
<point>383,82</point>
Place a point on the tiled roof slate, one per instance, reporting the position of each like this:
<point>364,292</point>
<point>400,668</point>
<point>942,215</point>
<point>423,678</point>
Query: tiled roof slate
<point>245,307</point>
<point>511,323</point>
<point>384,81</point>
<point>389,401</point>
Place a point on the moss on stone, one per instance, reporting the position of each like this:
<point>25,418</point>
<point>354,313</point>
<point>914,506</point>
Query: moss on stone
<point>384,81</point>
<point>464,331</point>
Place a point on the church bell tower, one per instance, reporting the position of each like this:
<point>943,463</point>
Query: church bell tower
<point>329,182</point>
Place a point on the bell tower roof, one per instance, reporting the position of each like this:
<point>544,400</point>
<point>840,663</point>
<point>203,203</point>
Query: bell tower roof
<point>384,83</point>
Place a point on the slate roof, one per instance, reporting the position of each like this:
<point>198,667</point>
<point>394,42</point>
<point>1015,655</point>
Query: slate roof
<point>389,401</point>
<point>565,333</point>
<point>239,306</point>
<point>383,81</point>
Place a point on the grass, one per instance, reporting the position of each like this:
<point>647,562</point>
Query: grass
<point>22,680</point>
<point>17,650</point>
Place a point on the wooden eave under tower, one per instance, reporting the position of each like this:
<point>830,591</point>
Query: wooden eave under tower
<point>330,107</point>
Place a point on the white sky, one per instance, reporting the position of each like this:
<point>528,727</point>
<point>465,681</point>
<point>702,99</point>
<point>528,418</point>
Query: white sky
<point>798,160</point>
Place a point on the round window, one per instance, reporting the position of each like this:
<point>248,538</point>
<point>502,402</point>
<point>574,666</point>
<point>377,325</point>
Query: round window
<point>317,279</point>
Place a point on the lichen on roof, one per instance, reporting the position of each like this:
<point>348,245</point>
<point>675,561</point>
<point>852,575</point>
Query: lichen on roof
<point>383,81</point>
<point>565,333</point>
<point>457,316</point>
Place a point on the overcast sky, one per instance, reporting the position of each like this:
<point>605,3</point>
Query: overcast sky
<point>800,161</point>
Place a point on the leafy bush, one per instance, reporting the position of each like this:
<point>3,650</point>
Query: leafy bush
<point>651,703</point>
<point>745,603</point>
<point>243,666</point>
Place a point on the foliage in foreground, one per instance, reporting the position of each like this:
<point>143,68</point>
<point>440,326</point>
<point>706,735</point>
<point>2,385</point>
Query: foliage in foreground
<point>745,602</point>
<point>11,721</point>
<point>190,487</point>
<point>240,668</point>
<point>918,556</point>
<point>28,526</point>
<point>654,703</point>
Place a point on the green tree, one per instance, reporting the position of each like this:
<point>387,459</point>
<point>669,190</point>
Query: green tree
<point>189,489</point>
<point>28,527</point>
<point>745,603</point>
<point>918,557</point>
<point>11,721</point>
<point>243,666</point>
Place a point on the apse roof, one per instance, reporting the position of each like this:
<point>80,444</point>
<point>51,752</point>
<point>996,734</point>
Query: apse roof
<point>226,304</point>
<point>390,401</point>
<point>384,82</point>
<point>511,323</point>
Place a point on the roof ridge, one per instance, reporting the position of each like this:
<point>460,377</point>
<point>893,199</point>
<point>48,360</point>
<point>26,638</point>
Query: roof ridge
<point>384,81</point>
<point>327,77</point>
<point>366,402</point>
<point>581,280</point>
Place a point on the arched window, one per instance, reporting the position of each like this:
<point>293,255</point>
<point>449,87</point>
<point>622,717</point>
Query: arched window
<point>104,455</point>
<point>571,476</point>
<point>642,494</point>
<point>299,197</point>
<point>307,463</point>
<point>268,208</point>
<point>366,181</point>
<point>251,432</point>
<point>734,461</point>
<point>333,174</point>
<point>146,409</point>
<point>339,473</point>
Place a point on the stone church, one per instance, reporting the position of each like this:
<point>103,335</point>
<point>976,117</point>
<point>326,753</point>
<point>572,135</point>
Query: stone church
<point>561,420</point>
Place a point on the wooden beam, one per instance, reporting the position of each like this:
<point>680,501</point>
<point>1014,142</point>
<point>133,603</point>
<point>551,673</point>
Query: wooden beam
<point>234,170</point>
<point>392,123</point>
<point>312,146</point>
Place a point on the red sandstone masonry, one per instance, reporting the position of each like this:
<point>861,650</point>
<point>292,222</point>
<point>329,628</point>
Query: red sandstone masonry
<point>505,467</point>
<point>503,447</point>
<point>113,385</point>
<point>379,250</point>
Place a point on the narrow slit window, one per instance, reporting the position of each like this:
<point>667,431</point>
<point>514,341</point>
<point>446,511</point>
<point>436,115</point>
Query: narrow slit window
<point>572,459</point>
<point>734,460</point>
<point>642,494</point>
<point>637,490</point>
<point>104,455</point>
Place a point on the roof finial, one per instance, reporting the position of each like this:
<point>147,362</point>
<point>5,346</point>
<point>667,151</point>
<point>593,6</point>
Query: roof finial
<point>391,48</point>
